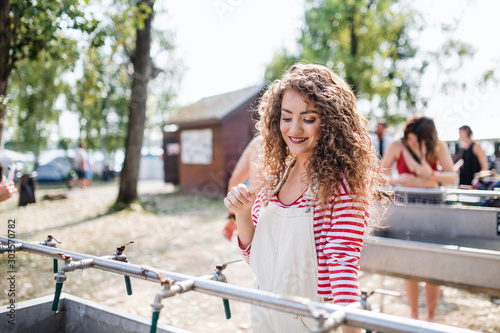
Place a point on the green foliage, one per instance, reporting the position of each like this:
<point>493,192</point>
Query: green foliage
<point>31,29</point>
<point>366,42</point>
<point>371,43</point>
<point>36,86</point>
<point>99,97</point>
<point>37,26</point>
<point>280,62</point>
<point>59,48</point>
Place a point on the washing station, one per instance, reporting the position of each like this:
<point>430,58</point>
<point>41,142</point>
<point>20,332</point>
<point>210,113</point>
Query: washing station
<point>66,313</point>
<point>445,237</point>
<point>75,315</point>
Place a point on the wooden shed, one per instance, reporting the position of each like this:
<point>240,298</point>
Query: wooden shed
<point>212,133</point>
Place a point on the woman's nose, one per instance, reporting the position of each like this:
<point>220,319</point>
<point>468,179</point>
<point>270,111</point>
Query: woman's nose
<point>296,126</point>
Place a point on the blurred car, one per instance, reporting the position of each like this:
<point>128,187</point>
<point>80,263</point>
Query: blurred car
<point>56,171</point>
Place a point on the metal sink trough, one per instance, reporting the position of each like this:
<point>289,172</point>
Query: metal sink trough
<point>453,245</point>
<point>75,315</point>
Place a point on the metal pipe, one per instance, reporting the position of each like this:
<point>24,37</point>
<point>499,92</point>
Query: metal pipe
<point>459,251</point>
<point>295,305</point>
<point>10,247</point>
<point>442,190</point>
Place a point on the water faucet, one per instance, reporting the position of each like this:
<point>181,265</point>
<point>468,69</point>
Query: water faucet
<point>49,242</point>
<point>69,266</point>
<point>119,256</point>
<point>219,276</point>
<point>170,288</point>
<point>326,321</point>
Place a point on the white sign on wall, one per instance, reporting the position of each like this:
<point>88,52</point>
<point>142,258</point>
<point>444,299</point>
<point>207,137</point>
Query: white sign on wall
<point>196,146</point>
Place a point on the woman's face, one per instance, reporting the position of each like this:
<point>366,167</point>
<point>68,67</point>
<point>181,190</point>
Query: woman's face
<point>463,134</point>
<point>412,139</point>
<point>300,124</point>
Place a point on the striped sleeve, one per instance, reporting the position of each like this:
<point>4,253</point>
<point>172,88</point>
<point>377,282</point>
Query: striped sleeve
<point>255,216</point>
<point>343,241</point>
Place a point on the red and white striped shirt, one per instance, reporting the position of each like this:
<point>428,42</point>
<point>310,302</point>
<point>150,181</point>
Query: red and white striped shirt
<point>338,231</point>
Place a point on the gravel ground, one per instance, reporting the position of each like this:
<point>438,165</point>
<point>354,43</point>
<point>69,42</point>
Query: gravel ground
<point>181,233</point>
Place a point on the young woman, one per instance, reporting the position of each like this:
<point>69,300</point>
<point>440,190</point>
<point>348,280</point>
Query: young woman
<point>302,235</point>
<point>422,160</point>
<point>418,155</point>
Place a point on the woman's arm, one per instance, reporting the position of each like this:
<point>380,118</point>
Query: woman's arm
<point>343,243</point>
<point>448,176</point>
<point>426,176</point>
<point>390,157</point>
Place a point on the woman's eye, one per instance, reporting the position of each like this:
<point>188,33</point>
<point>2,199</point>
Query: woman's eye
<point>286,119</point>
<point>309,121</point>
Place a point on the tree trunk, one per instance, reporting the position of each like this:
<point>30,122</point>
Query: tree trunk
<point>137,114</point>
<point>353,51</point>
<point>5,66</point>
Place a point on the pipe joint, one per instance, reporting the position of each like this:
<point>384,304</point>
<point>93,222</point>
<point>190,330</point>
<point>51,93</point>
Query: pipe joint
<point>218,276</point>
<point>170,289</point>
<point>328,322</point>
<point>119,257</point>
<point>11,247</point>
<point>71,266</point>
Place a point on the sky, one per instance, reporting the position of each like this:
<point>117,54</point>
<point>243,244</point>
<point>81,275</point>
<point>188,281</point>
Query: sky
<point>225,45</point>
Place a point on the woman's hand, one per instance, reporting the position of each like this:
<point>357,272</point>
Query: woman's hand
<point>229,229</point>
<point>422,169</point>
<point>239,199</point>
<point>405,179</point>
<point>6,190</point>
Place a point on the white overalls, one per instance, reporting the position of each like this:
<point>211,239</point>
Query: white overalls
<point>283,258</point>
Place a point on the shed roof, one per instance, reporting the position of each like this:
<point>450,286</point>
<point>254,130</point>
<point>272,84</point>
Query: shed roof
<point>215,107</point>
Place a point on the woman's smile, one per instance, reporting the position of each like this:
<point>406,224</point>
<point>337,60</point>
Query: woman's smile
<point>300,124</point>
<point>297,140</point>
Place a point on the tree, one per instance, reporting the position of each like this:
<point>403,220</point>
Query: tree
<point>100,99</point>
<point>142,64</point>
<point>36,85</point>
<point>371,44</point>
<point>28,27</point>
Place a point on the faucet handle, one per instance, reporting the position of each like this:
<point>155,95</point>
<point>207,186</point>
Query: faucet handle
<point>386,292</point>
<point>64,256</point>
<point>120,249</point>
<point>51,237</point>
<point>163,279</point>
<point>220,267</point>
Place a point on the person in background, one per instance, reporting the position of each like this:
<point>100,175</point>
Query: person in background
<point>304,229</point>
<point>81,166</point>
<point>472,157</point>
<point>246,168</point>
<point>381,140</point>
<point>422,160</point>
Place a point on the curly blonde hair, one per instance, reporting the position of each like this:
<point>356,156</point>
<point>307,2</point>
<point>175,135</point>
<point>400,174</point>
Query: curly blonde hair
<point>344,148</point>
